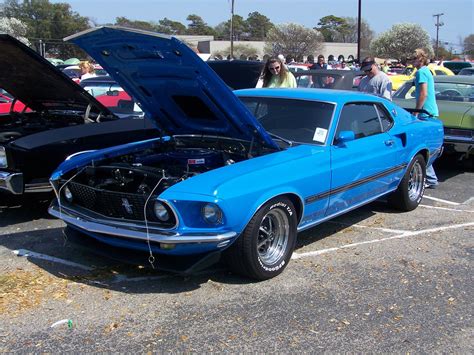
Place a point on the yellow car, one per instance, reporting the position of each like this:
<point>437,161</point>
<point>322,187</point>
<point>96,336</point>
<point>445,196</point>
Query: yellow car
<point>409,73</point>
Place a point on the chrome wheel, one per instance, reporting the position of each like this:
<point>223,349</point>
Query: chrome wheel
<point>273,235</point>
<point>416,181</point>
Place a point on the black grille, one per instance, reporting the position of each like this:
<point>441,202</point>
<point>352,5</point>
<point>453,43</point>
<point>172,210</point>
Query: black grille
<point>109,203</point>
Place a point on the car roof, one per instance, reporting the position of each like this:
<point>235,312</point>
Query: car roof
<point>460,79</point>
<point>327,95</point>
<point>457,79</point>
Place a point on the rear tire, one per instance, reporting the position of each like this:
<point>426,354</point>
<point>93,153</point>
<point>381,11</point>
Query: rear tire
<point>266,245</point>
<point>410,192</point>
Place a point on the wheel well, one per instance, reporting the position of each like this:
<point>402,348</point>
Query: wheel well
<point>425,153</point>
<point>297,203</point>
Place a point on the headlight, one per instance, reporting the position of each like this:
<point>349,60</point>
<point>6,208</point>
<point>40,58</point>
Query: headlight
<point>160,211</point>
<point>211,213</point>
<point>3,158</point>
<point>67,194</point>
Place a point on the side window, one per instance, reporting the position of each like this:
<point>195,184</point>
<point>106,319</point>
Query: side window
<point>361,118</point>
<point>440,72</point>
<point>385,119</point>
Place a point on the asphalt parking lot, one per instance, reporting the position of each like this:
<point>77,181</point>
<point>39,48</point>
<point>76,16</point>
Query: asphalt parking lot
<point>373,280</point>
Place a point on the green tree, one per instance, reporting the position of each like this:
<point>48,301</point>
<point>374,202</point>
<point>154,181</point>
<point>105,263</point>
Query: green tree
<point>48,22</point>
<point>400,42</point>
<point>258,26</point>
<point>222,30</point>
<point>366,35</point>
<point>333,28</point>
<point>197,26</point>
<point>170,27</point>
<point>292,40</point>
<point>139,25</point>
<point>468,45</point>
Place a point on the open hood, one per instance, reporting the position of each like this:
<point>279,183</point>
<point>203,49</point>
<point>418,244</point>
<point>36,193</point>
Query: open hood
<point>37,83</point>
<point>178,91</point>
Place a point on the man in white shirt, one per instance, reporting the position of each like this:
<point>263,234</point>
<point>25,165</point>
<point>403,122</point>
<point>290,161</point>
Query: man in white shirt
<point>375,82</point>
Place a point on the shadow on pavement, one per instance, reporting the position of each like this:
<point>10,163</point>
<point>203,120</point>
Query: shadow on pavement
<point>19,209</point>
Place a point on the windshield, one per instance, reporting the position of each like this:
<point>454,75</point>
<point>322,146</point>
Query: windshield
<point>295,120</point>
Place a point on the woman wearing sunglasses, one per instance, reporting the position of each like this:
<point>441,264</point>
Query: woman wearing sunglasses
<point>277,75</point>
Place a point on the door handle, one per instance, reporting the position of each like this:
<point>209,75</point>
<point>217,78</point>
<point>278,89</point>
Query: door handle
<point>389,142</point>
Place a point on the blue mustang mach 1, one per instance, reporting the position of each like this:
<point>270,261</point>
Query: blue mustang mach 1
<point>239,173</point>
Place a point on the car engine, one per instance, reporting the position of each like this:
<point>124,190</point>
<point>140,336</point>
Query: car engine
<point>103,188</point>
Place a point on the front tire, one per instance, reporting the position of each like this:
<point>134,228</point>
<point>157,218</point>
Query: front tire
<point>410,192</point>
<point>266,245</point>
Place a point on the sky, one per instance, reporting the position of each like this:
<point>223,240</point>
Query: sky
<point>458,15</point>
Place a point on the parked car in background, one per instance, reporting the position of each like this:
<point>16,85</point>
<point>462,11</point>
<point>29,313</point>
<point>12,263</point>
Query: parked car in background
<point>63,119</point>
<point>238,74</point>
<point>239,175</point>
<point>409,73</point>
<point>456,66</point>
<point>466,71</point>
<point>329,79</point>
<point>455,99</point>
<point>111,95</point>
<point>8,103</point>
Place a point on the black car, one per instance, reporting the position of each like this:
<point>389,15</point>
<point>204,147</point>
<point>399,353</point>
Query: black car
<point>456,66</point>
<point>238,74</point>
<point>64,119</point>
<point>329,79</point>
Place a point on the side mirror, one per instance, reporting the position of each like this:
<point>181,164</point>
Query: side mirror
<point>345,136</point>
<point>112,93</point>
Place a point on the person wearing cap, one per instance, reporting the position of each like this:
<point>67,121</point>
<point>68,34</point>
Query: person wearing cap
<point>375,81</point>
<point>425,96</point>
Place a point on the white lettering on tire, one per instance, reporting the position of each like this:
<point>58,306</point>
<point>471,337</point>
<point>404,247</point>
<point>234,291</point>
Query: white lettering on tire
<point>284,205</point>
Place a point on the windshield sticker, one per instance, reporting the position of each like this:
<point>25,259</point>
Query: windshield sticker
<point>320,135</point>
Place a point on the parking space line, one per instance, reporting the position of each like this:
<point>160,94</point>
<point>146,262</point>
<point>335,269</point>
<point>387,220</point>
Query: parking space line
<point>32,254</point>
<point>373,241</point>
<point>446,208</point>
<point>468,201</point>
<point>387,230</point>
<point>441,200</point>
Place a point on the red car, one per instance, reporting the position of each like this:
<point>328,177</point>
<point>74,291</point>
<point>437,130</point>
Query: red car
<point>6,105</point>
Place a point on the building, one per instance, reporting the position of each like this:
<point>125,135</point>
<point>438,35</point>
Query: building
<point>207,44</point>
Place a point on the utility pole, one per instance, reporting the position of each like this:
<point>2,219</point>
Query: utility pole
<point>438,25</point>
<point>359,21</point>
<point>232,30</point>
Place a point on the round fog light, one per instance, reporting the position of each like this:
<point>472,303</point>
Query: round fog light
<point>68,194</point>
<point>160,211</point>
<point>212,213</point>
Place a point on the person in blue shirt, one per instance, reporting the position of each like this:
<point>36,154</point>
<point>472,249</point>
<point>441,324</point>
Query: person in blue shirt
<point>425,99</point>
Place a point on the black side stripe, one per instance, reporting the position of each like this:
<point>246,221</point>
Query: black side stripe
<point>365,180</point>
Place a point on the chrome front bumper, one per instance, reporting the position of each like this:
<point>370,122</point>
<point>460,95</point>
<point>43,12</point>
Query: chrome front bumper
<point>11,182</point>
<point>137,232</point>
